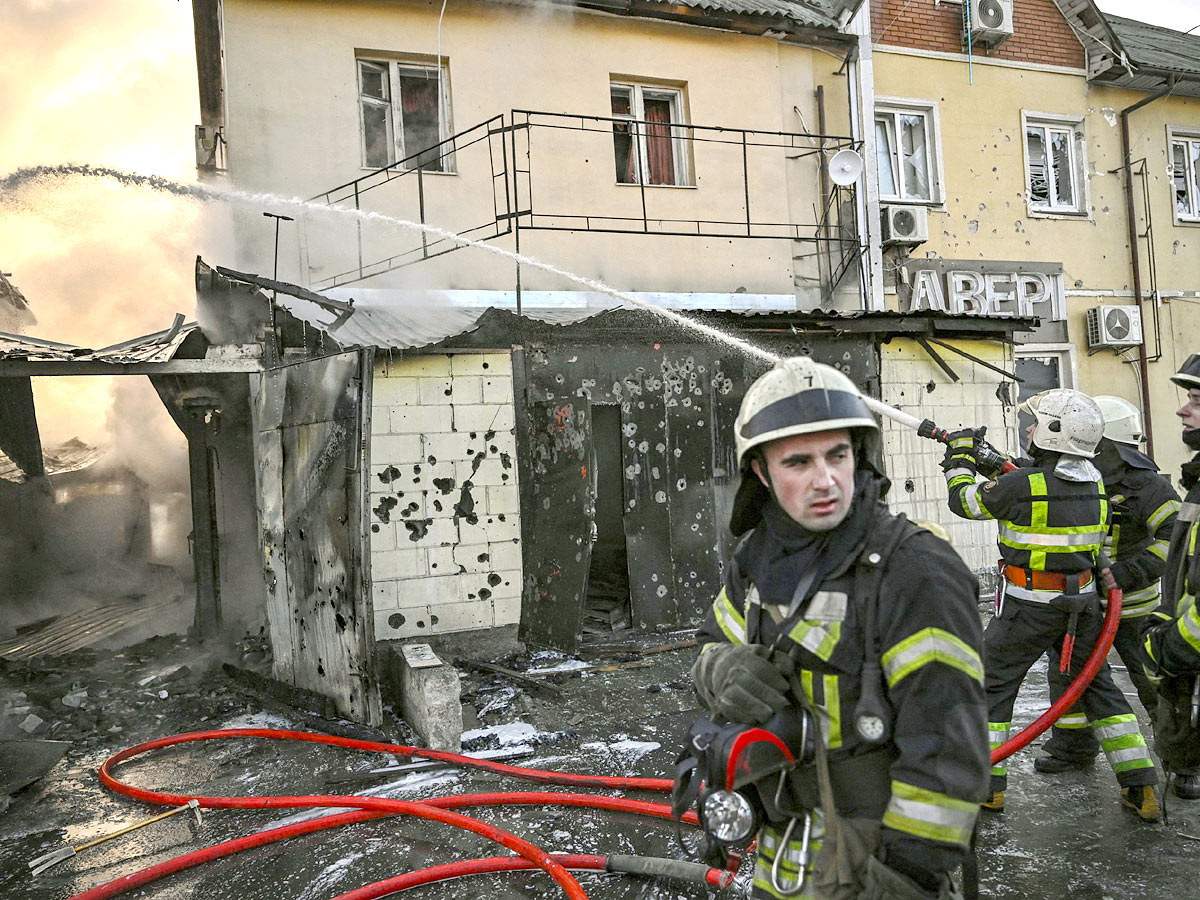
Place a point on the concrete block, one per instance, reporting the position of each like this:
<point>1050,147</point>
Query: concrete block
<point>430,697</point>
<point>503,499</point>
<point>429,364</point>
<point>490,529</point>
<point>419,419</point>
<point>439,505</point>
<point>497,389</point>
<point>505,555</point>
<point>482,417</point>
<point>401,563</point>
<point>426,532</point>
<point>467,389</point>
<point>506,610</point>
<point>481,364</point>
<point>436,390</point>
<point>393,624</point>
<point>440,560</point>
<point>466,615</point>
<point>395,450</point>
<point>383,536</point>
<point>467,558</point>
<point>383,595</point>
<point>395,392</point>
<point>488,472</point>
<point>431,591</point>
<point>444,445</point>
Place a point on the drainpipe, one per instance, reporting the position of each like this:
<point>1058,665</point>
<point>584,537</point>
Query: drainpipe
<point>1131,221</point>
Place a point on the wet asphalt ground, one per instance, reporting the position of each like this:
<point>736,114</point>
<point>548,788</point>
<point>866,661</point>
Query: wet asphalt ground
<point>1063,835</point>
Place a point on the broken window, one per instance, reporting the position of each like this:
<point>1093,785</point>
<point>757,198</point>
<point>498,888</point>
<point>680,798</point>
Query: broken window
<point>648,135</point>
<point>404,109</point>
<point>1185,176</point>
<point>1053,160</point>
<point>905,150</point>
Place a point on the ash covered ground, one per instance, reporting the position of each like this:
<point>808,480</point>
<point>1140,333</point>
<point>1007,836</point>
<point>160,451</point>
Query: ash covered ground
<point>1063,835</point>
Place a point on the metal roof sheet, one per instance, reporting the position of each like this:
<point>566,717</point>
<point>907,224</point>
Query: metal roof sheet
<point>70,456</point>
<point>157,347</point>
<point>1158,47</point>
<point>814,13</point>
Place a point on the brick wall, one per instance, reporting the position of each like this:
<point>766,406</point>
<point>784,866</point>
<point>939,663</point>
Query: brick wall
<point>445,510</point>
<point>1040,33</point>
<point>907,375</point>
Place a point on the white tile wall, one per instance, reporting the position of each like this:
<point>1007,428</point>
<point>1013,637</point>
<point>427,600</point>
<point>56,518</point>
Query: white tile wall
<point>424,413</point>
<point>918,486</point>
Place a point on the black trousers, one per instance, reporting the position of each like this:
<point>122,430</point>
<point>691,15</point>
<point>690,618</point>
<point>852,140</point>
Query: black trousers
<point>1079,744</point>
<point>1016,639</point>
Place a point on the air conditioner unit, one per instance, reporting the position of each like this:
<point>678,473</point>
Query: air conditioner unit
<point>1114,326</point>
<point>990,21</point>
<point>904,224</point>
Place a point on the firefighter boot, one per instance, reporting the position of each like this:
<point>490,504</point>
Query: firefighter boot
<point>1140,798</point>
<point>1187,787</point>
<point>996,804</point>
<point>1052,765</point>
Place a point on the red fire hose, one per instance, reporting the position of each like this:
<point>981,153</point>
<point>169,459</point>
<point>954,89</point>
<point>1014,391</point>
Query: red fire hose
<point>1108,631</point>
<point>435,809</point>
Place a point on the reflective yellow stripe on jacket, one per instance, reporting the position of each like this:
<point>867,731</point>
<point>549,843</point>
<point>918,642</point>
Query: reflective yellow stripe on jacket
<point>930,815</point>
<point>930,645</point>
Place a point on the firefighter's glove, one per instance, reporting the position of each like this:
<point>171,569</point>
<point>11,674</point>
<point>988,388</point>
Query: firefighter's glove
<point>884,883</point>
<point>740,683</point>
<point>960,452</point>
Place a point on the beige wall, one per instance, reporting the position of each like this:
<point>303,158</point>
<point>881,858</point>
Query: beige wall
<point>985,214</point>
<point>294,130</point>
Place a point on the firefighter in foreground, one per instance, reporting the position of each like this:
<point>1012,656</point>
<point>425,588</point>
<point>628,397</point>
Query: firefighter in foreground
<point>823,565</point>
<point>1144,508</point>
<point>1053,518</point>
<point>1174,647</point>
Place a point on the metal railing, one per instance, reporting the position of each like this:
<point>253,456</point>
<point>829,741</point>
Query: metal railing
<point>535,149</point>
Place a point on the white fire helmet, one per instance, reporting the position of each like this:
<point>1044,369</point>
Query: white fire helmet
<point>1122,421</point>
<point>1067,421</point>
<point>798,396</point>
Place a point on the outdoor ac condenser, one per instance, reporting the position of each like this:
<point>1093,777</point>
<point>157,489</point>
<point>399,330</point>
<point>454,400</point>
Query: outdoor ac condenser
<point>904,224</point>
<point>1114,326</point>
<point>990,22</point>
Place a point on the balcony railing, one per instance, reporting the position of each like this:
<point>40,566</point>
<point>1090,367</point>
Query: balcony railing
<point>579,173</point>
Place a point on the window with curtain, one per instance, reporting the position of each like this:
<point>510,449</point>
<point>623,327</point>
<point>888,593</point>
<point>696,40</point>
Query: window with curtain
<point>906,146</point>
<point>1185,176</point>
<point>404,116</point>
<point>1053,163</point>
<point>648,135</point>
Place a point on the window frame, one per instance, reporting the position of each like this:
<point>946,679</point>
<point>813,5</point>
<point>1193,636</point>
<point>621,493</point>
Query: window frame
<point>890,109</point>
<point>1182,135</point>
<point>677,97</point>
<point>1068,375</point>
<point>1080,208</point>
<point>394,106</point>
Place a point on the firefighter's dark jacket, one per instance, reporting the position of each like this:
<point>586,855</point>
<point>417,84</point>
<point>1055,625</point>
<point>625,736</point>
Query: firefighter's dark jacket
<point>1046,523</point>
<point>930,642</point>
<point>1144,510</point>
<point>1174,648</point>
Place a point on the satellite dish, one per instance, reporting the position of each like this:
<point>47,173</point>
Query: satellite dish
<point>844,167</point>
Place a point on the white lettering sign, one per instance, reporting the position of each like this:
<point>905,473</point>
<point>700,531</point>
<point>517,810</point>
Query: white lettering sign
<point>989,293</point>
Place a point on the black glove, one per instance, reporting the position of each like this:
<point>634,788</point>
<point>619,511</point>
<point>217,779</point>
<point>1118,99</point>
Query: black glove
<point>885,883</point>
<point>960,450</point>
<point>740,683</point>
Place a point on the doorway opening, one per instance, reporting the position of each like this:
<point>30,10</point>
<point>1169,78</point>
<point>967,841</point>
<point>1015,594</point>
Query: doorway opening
<point>607,608</point>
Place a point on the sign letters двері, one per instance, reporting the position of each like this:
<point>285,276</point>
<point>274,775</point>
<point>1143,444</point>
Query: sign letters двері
<point>1006,289</point>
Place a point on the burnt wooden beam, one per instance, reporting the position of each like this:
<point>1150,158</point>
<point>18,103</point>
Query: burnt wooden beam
<point>19,438</point>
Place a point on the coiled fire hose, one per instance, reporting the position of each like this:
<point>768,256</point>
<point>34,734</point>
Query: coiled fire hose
<point>438,809</point>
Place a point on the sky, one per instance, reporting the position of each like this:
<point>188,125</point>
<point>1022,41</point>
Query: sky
<point>113,83</point>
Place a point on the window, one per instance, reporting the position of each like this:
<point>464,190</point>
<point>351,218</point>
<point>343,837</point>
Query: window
<point>1185,176</point>
<point>403,114</point>
<point>906,152</point>
<point>1054,164</point>
<point>649,144</point>
<point>1043,366</point>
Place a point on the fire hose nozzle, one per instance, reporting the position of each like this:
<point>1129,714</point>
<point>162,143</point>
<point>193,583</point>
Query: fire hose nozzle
<point>928,429</point>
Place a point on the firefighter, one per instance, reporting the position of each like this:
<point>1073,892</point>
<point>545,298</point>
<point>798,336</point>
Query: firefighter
<point>1144,508</point>
<point>1173,647</point>
<point>824,565</point>
<point>1053,518</point>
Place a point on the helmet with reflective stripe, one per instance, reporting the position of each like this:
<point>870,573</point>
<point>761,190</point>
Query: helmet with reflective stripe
<point>1188,376</point>
<point>1067,421</point>
<point>798,396</point>
<point>1122,421</point>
